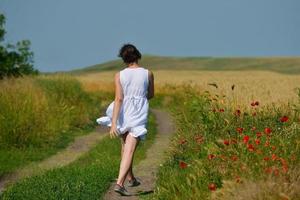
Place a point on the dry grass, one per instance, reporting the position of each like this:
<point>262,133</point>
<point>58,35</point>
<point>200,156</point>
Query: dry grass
<point>274,188</point>
<point>29,107</point>
<point>266,87</point>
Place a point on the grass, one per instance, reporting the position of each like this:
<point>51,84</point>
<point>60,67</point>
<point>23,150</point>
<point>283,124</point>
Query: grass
<point>87,178</point>
<point>13,158</point>
<point>29,127</point>
<point>289,65</point>
<point>219,152</point>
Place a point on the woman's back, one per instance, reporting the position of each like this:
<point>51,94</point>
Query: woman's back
<point>134,82</point>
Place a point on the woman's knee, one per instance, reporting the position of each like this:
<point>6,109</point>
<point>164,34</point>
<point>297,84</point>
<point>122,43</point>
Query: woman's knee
<point>131,143</point>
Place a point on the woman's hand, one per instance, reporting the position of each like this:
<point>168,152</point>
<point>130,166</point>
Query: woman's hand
<point>113,131</point>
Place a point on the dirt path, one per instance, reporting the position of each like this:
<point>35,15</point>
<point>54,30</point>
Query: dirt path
<point>146,170</point>
<point>81,145</point>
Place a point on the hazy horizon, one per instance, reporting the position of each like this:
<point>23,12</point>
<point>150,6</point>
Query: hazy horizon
<point>69,34</point>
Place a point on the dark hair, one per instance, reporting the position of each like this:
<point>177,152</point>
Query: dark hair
<point>129,53</point>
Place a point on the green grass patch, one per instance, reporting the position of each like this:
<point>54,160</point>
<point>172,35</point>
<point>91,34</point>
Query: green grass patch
<point>13,158</point>
<point>86,178</point>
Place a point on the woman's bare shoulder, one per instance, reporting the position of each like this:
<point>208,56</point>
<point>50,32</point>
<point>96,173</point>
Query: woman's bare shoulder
<point>150,73</point>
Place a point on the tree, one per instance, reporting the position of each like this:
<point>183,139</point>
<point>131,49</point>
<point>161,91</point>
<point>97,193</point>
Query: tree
<point>15,60</point>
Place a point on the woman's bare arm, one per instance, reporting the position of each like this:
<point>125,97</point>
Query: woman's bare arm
<point>151,85</point>
<point>117,102</point>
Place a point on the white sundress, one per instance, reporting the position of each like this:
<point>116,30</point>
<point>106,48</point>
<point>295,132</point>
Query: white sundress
<point>133,115</point>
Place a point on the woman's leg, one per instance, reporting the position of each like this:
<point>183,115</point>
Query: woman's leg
<point>127,158</point>
<point>130,175</point>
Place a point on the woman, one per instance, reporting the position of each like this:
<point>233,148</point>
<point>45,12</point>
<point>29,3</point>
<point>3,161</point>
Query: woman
<point>127,115</point>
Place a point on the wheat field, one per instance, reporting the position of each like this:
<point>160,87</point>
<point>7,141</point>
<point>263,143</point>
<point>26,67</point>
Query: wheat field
<point>264,86</point>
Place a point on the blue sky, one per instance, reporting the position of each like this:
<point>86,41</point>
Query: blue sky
<point>68,34</point>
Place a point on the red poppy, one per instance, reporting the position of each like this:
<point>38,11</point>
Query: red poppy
<point>221,110</point>
<point>268,131</point>
<point>240,130</point>
<point>274,157</point>
<point>182,141</point>
<point>226,142</point>
<point>237,112</point>
<point>238,179</point>
<point>284,168</point>
<point>250,147</point>
<point>284,119</point>
<point>257,141</point>
<point>253,128</point>
<point>283,162</point>
<point>276,171</point>
<point>266,158</point>
<point>246,139</point>
<point>258,134</point>
<point>284,165</point>
<point>211,156</point>
<point>199,139</point>
<point>254,114</point>
<point>255,103</point>
<point>212,187</point>
<point>182,164</point>
<point>233,141</point>
<point>273,148</point>
<point>267,143</point>
<point>234,158</point>
<point>268,170</point>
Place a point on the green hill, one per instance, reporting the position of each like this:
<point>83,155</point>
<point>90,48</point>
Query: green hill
<point>289,65</point>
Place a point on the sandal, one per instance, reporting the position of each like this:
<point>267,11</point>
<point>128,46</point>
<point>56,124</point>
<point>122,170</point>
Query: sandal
<point>121,190</point>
